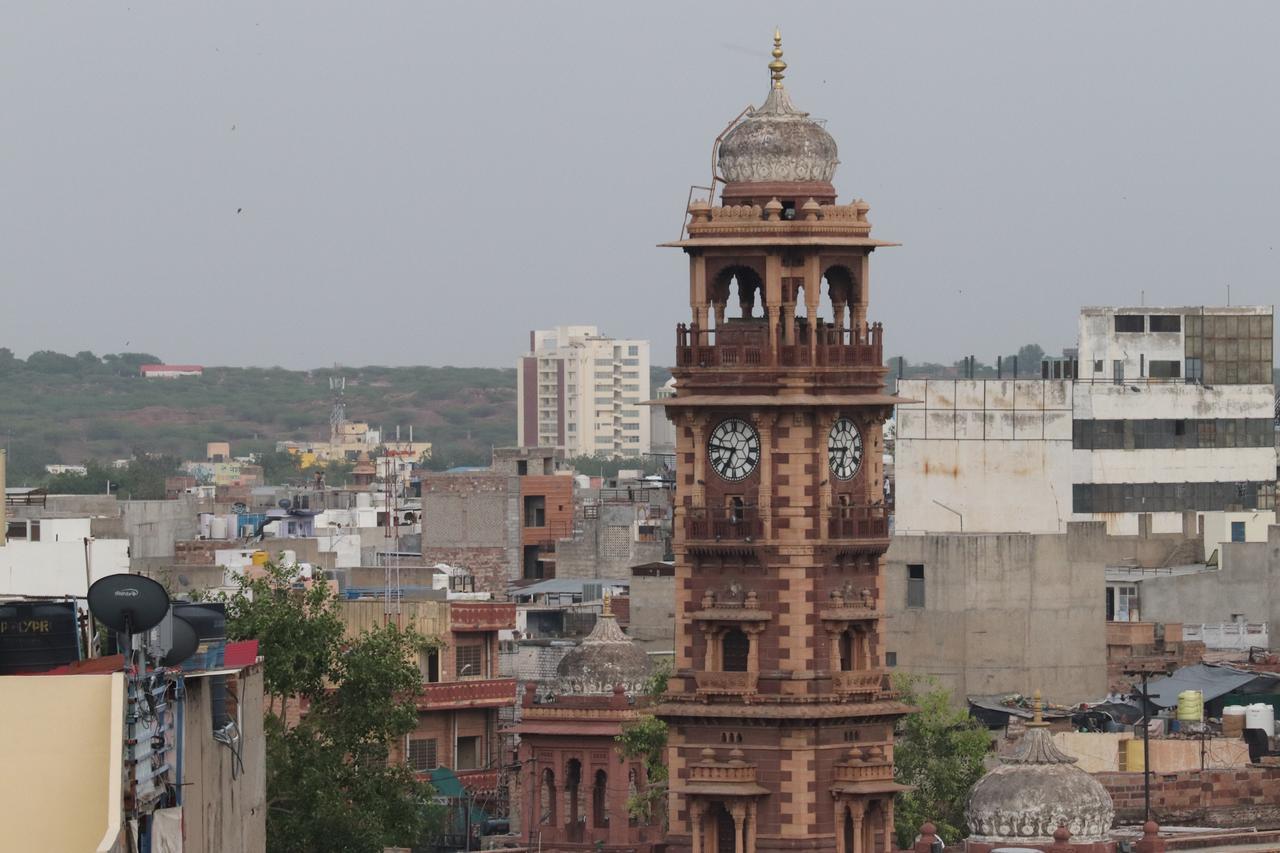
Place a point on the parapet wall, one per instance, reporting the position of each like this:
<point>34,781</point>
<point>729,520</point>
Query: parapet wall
<point>1248,796</point>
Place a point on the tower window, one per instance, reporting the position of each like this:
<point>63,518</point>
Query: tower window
<point>915,585</point>
<point>736,647</point>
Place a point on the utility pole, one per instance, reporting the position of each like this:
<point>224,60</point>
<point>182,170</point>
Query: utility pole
<point>1144,670</point>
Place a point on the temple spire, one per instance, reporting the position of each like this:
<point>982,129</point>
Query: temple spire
<point>777,66</point>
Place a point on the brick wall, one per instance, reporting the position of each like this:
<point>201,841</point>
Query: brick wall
<point>1239,797</point>
<point>487,564</point>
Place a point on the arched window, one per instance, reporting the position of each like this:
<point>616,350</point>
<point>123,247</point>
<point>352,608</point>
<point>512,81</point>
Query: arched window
<point>547,806</point>
<point>600,800</point>
<point>736,647</point>
<point>725,829</point>
<point>854,653</point>
<point>572,790</point>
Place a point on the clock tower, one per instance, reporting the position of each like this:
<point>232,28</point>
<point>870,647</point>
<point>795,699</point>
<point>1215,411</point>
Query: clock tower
<point>780,711</point>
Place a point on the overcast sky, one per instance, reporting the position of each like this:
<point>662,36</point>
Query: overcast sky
<point>299,183</point>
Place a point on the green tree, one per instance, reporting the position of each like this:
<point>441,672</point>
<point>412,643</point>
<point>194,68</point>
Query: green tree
<point>330,785</point>
<point>1029,357</point>
<point>938,750</point>
<point>280,467</point>
<point>646,738</point>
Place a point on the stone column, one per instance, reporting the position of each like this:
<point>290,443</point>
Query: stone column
<point>764,424</point>
<point>834,630</point>
<point>695,824</point>
<point>822,424</point>
<point>753,631</point>
<point>710,659</point>
<point>812,299</point>
<point>888,820</point>
<point>856,808</point>
<point>773,301</point>
<point>841,808</point>
<point>698,290</point>
<point>862,281</point>
<point>699,462</point>
<point>749,828</point>
<point>739,811</point>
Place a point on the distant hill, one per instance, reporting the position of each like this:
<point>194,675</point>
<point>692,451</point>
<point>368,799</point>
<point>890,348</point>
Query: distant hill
<point>61,408</point>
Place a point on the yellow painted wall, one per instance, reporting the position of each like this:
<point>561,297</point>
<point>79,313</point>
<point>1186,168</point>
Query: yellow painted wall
<point>62,741</point>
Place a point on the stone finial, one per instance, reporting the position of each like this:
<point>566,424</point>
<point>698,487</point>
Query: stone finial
<point>777,66</point>
<point>708,754</point>
<point>607,607</point>
<point>736,755</point>
<point>751,601</point>
<point>1061,835</point>
<point>810,210</point>
<point>773,210</point>
<point>928,835</point>
<point>530,693</point>
<point>708,600</point>
<point>1037,708</point>
<point>1151,842</point>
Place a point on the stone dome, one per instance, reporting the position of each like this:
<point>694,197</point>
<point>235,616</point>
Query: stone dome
<point>777,142</point>
<point>606,658</point>
<point>1037,789</point>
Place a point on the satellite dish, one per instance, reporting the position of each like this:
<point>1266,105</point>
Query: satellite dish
<point>185,643</point>
<point>130,604</point>
<point>285,503</point>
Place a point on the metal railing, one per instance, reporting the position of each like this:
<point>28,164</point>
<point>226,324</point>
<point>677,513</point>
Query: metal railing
<point>724,523</point>
<point>825,346</point>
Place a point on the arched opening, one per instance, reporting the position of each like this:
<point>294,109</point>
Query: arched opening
<point>854,653</point>
<point>547,804</point>
<point>847,828</point>
<point>725,829</point>
<point>736,647</point>
<point>600,800</point>
<point>738,294</point>
<point>572,789</point>
<point>841,293</point>
<point>632,789</point>
<point>872,828</point>
<point>735,506</point>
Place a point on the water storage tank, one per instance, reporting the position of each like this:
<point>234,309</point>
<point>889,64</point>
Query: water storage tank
<point>260,558</point>
<point>1260,716</point>
<point>37,637</point>
<point>209,619</point>
<point>217,527</point>
<point>1190,706</point>
<point>1233,721</point>
<point>1133,758</point>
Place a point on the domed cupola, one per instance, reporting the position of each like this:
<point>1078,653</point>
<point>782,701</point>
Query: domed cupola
<point>1037,789</point>
<point>605,659</point>
<point>777,145</point>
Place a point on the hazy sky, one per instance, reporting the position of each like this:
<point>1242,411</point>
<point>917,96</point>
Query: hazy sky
<point>305,182</point>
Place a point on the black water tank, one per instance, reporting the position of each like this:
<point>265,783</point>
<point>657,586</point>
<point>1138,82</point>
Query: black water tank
<point>209,619</point>
<point>35,637</point>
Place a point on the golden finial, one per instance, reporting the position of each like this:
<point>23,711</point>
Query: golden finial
<point>608,605</point>
<point>777,66</point>
<point>1037,707</point>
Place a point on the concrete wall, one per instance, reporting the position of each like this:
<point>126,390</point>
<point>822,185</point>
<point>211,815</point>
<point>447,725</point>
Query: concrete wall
<point>473,521</point>
<point>607,546</point>
<point>153,526</point>
<point>1217,527</point>
<point>1247,584</point>
<point>1004,612</point>
<point>653,612</point>
<point>224,807</point>
<point>998,453</point>
<point>62,738</point>
<point>59,567</point>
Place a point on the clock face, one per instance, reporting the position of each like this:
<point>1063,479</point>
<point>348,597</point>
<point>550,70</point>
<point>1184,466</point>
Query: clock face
<point>734,449</point>
<point>844,449</point>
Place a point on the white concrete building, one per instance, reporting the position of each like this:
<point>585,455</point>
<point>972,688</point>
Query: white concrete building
<point>1160,428</point>
<point>583,392</point>
<point>56,556</point>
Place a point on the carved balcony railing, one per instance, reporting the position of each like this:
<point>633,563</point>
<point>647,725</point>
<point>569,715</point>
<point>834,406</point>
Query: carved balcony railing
<point>478,781</point>
<point>726,683</point>
<point>746,344</point>
<point>468,693</point>
<point>851,772</point>
<point>722,523</point>
<point>867,682</point>
<point>858,522</point>
<point>481,615</point>
<point>738,773</point>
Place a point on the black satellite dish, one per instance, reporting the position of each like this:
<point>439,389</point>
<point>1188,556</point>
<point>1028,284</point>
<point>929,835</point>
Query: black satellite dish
<point>185,643</point>
<point>130,604</point>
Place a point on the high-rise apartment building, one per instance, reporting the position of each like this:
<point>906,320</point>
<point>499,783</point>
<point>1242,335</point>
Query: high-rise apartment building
<point>584,392</point>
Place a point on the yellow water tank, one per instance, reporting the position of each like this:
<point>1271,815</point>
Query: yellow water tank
<point>1133,760</point>
<point>1190,706</point>
<point>260,558</point>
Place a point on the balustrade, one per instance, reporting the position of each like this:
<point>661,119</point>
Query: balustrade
<point>859,682</point>
<point>724,523</point>
<point>747,345</point>
<point>726,683</point>
<point>865,522</point>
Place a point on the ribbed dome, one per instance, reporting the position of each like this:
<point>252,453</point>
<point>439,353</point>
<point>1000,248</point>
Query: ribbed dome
<point>1037,789</point>
<point>778,142</point>
<point>607,657</point>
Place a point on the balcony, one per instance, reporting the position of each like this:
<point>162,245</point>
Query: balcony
<point>745,343</point>
<point>481,615</point>
<point>854,773</point>
<point>726,683</point>
<point>719,523</point>
<point>866,683</point>
<point>866,522</point>
<point>468,693</point>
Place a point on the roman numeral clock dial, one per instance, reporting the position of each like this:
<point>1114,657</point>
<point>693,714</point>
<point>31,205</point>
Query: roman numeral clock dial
<point>734,449</point>
<point>844,449</point>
